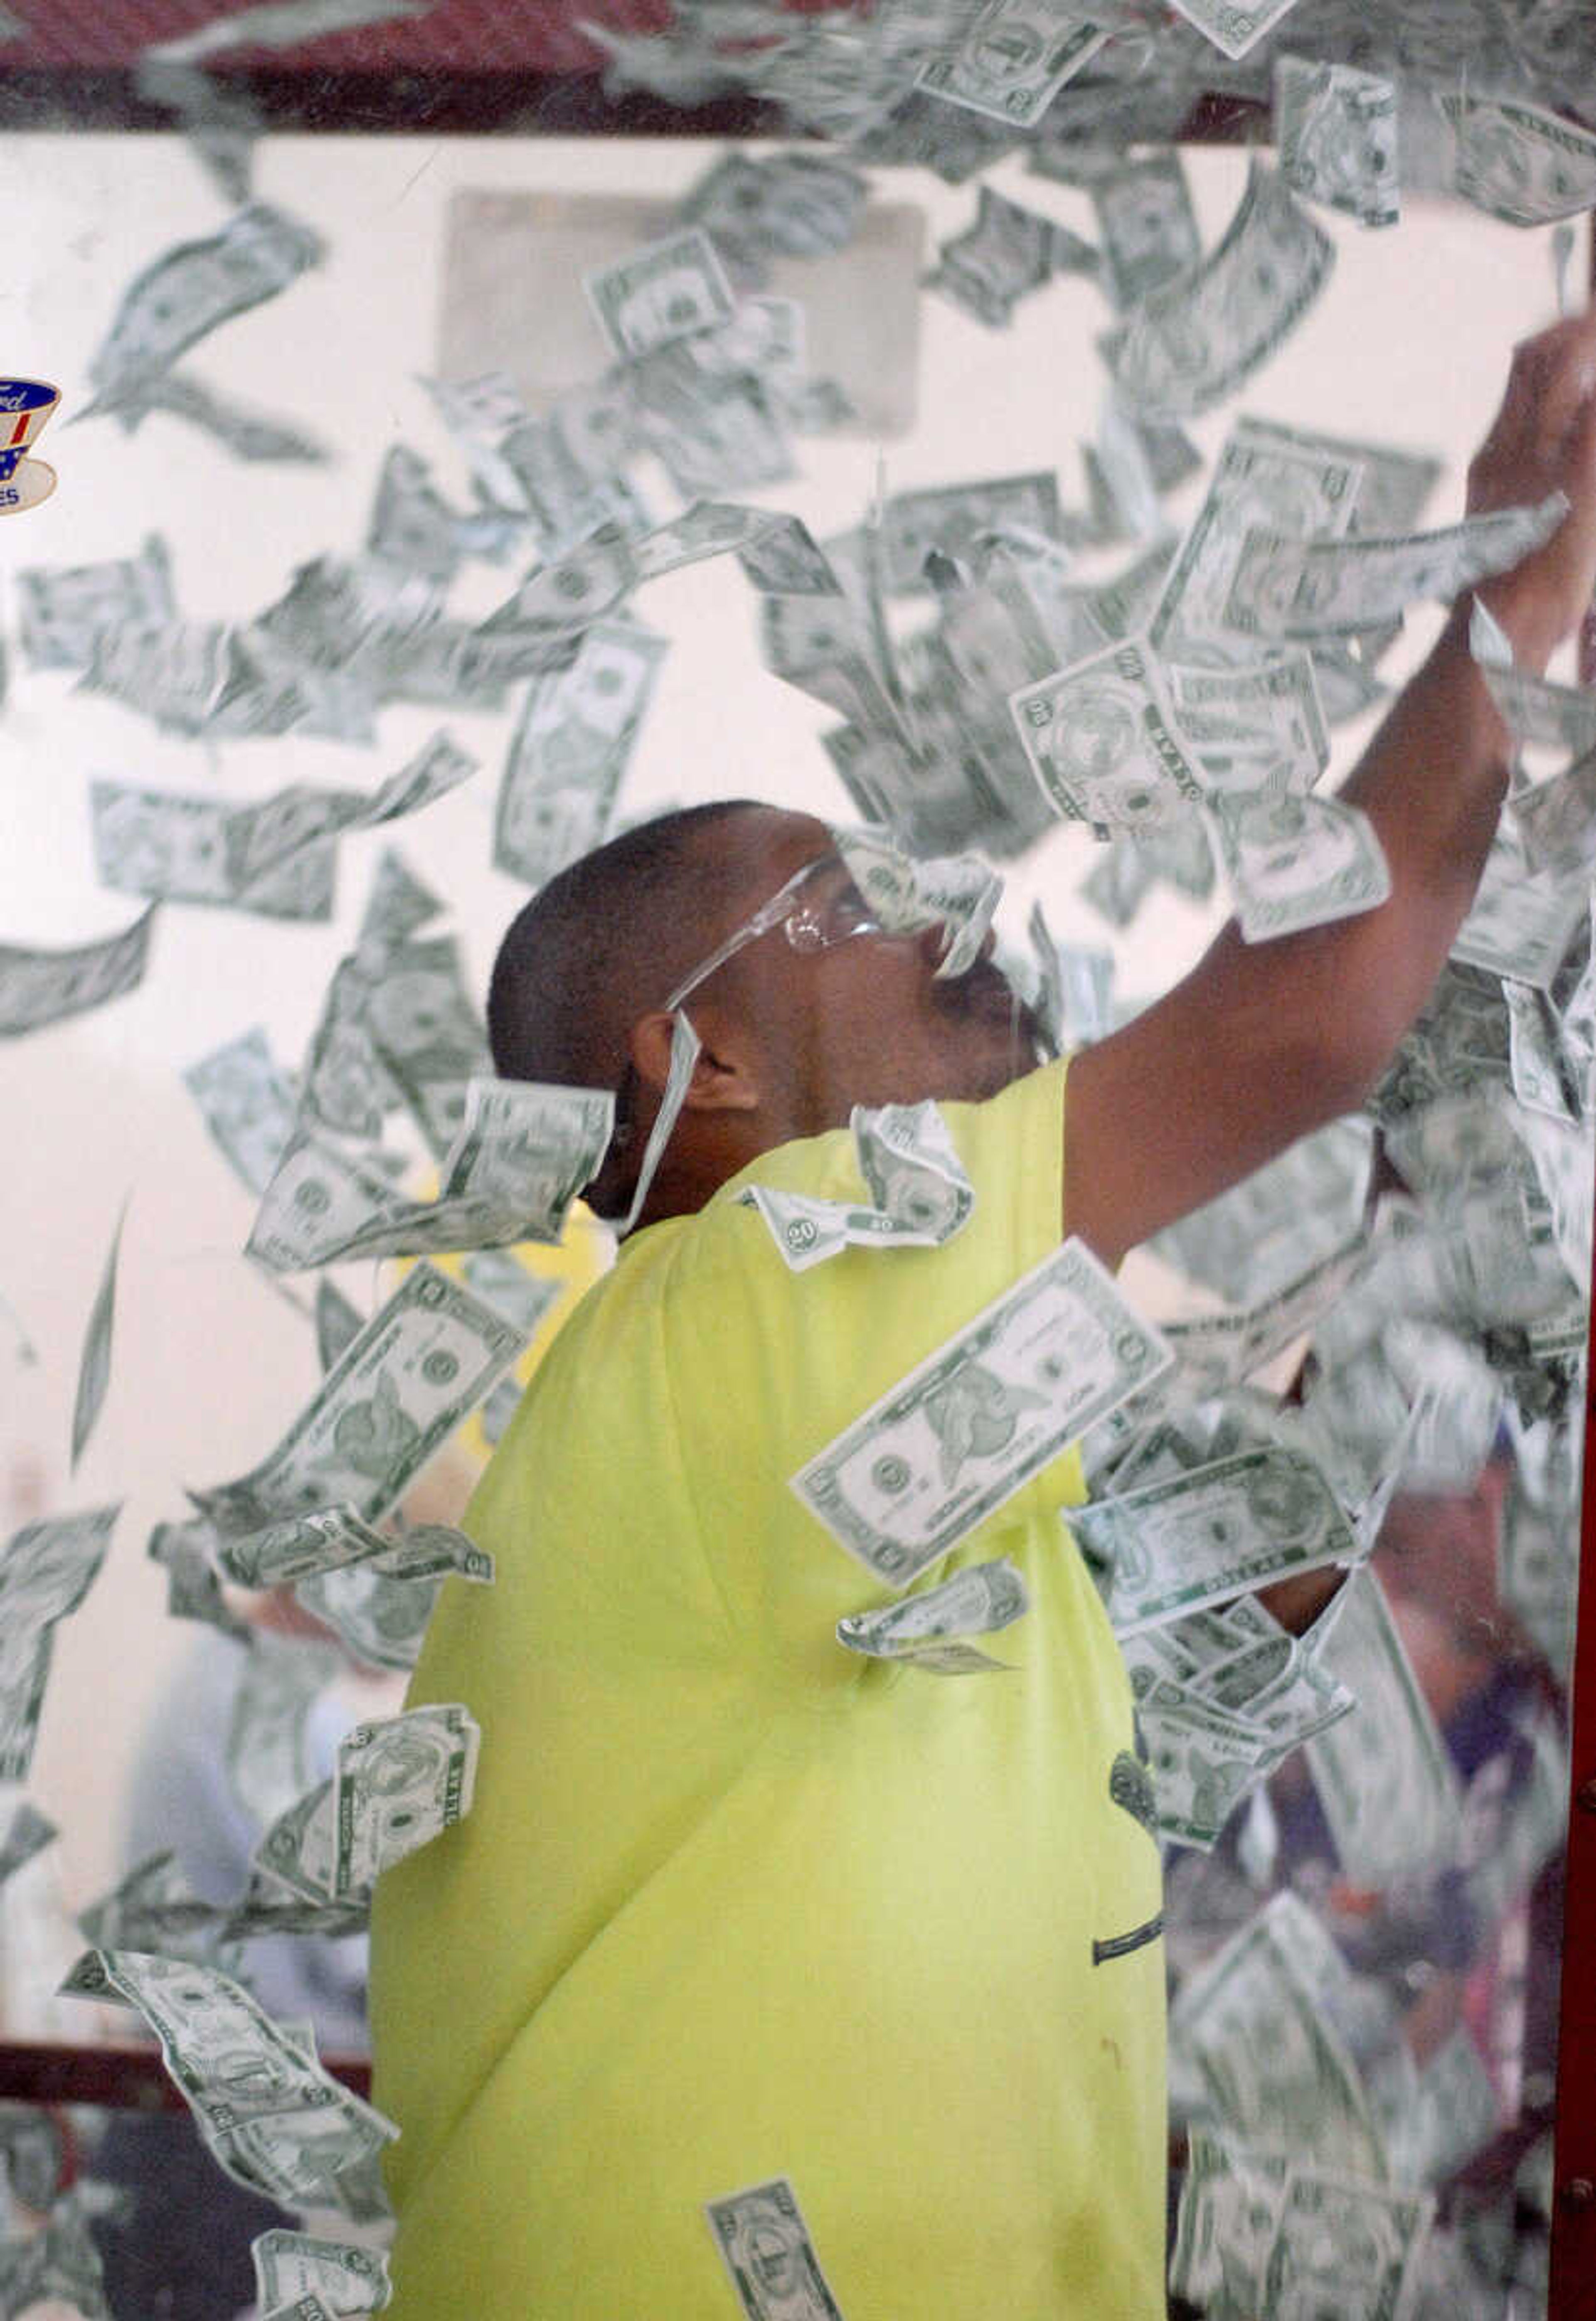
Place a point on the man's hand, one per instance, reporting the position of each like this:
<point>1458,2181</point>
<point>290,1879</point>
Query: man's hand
<point>1263,1043</point>
<point>1543,439</point>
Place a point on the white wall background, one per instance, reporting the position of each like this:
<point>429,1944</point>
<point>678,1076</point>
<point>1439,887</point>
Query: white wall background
<point>1408,345</point>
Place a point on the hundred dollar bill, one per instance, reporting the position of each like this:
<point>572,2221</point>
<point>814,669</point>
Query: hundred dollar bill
<point>1103,742</point>
<point>26,1832</point>
<point>1232,28</point>
<point>1384,1775</point>
<point>271,2116</point>
<point>400,1781</point>
<point>765,2246</point>
<point>1148,225</point>
<point>94,1369</point>
<point>46,1571</point>
<point>1311,589</point>
<point>248,1103</point>
<point>1013,61</point>
<point>62,609</point>
<point>921,1194</point>
<point>1258,726</point>
<point>404,1385</point>
<point>975,1602</point>
<point>1257,2022</point>
<point>1296,861</point>
<point>660,293</point>
<point>43,986</point>
<point>1524,165</point>
<point>570,751</point>
<point>1338,133</point>
<point>946,1446</point>
<point>1216,1532</point>
<point>195,286</point>
<point>1194,339</point>
<point>953,517</point>
<point>348,2277</point>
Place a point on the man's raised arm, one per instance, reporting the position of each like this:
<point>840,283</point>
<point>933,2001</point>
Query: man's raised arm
<point>1263,1043</point>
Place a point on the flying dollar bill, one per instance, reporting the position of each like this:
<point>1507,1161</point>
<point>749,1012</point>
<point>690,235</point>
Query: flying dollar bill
<point>1194,339</point>
<point>1257,2022</point>
<point>1311,589</point>
<point>1384,1776</point>
<point>39,987</point>
<point>1148,225</point>
<point>269,2116</point>
<point>951,517</point>
<point>1294,862</point>
<point>570,751</point>
<point>62,609</point>
<point>94,1369</point>
<point>921,1194</point>
<point>247,1101</point>
<point>193,289</point>
<point>1013,61</point>
<point>46,1571</point>
<point>1337,132</point>
<point>1008,252</point>
<point>1216,1532</point>
<point>378,1610</point>
<point>1259,725</point>
<point>964,1431</point>
<point>400,1389</point>
<point>288,2265</point>
<point>660,293</point>
<point>1104,743</point>
<point>1232,27</point>
<point>401,1781</point>
<point>1524,165</point>
<point>932,1630</point>
<point>765,2246</point>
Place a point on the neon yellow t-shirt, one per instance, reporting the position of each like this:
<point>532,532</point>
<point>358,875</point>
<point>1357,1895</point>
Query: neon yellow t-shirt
<point>733,1903</point>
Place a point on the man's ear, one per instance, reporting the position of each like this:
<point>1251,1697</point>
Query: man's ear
<point>725,1076</point>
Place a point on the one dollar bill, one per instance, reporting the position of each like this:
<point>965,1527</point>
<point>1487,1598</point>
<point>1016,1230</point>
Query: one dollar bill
<point>946,1446</point>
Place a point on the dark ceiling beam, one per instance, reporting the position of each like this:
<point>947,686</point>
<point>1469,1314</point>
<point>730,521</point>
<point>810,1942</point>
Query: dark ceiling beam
<point>443,105</point>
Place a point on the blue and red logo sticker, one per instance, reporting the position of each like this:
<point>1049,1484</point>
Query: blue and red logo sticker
<point>25,405</point>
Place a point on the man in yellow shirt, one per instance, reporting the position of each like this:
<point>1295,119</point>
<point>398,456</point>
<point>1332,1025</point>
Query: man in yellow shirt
<point>762,1972</point>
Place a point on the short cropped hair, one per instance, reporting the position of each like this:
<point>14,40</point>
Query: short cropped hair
<point>603,942</point>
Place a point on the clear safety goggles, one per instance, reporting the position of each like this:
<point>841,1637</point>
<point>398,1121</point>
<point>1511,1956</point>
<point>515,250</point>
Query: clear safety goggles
<point>812,920</point>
